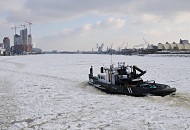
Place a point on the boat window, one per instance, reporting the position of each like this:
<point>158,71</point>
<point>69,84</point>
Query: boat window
<point>153,86</point>
<point>102,77</point>
<point>99,76</point>
<point>128,70</point>
<point>148,86</point>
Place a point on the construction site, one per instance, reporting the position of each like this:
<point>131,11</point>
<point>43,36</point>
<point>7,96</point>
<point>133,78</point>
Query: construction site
<point>23,41</point>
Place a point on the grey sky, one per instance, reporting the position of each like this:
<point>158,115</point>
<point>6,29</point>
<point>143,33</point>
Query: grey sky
<point>81,24</point>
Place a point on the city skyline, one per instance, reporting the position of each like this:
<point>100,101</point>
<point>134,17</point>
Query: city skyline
<point>81,24</point>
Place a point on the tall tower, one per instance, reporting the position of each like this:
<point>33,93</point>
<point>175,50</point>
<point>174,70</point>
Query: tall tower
<point>24,38</point>
<point>29,45</point>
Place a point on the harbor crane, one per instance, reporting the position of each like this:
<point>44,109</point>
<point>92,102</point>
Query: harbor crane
<point>109,49</point>
<point>141,45</point>
<point>100,48</point>
<point>120,47</point>
<point>146,43</point>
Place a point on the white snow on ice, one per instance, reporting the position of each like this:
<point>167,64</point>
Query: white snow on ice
<point>51,92</point>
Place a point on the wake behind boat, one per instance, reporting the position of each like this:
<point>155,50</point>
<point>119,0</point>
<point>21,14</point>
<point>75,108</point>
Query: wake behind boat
<point>127,80</point>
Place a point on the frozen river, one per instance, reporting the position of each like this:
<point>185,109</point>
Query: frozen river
<point>51,92</point>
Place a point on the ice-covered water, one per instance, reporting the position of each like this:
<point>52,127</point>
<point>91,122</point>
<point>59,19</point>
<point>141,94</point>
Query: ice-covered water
<point>51,92</point>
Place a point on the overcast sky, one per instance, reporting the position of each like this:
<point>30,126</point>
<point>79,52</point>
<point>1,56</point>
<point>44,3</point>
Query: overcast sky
<point>70,25</point>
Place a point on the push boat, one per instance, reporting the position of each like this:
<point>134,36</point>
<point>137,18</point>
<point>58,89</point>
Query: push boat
<point>125,79</point>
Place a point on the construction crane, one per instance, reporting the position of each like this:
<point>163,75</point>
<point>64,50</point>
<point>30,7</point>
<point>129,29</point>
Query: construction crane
<point>100,48</point>
<point>15,27</point>
<point>23,25</point>
<point>30,23</point>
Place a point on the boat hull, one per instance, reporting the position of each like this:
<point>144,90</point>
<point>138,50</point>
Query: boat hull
<point>137,90</point>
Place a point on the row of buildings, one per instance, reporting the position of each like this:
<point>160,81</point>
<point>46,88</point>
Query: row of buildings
<point>22,44</point>
<point>183,45</point>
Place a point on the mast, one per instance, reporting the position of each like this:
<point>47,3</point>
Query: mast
<point>111,52</point>
<point>111,72</point>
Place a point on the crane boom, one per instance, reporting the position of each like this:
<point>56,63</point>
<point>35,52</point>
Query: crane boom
<point>121,46</point>
<point>30,23</point>
<point>15,27</point>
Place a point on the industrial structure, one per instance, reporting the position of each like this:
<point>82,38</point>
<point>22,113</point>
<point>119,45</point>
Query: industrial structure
<point>183,45</point>
<point>36,50</point>
<point>100,47</point>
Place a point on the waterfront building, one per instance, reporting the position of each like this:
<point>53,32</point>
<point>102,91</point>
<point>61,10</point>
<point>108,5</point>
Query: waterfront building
<point>16,39</point>
<point>160,46</point>
<point>186,46</point>
<point>29,45</point>
<point>23,42</point>
<point>183,41</point>
<point>1,45</point>
<point>6,43</point>
<point>2,50</point>
<point>174,46</point>
<point>36,50</point>
<point>183,45</point>
<point>167,46</point>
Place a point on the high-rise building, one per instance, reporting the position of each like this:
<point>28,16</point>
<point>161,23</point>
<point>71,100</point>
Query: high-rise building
<point>24,38</point>
<point>29,39</point>
<point>23,42</point>
<point>29,43</point>
<point>16,39</point>
<point>6,42</point>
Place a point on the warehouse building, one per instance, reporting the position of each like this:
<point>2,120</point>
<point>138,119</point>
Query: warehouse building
<point>183,45</point>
